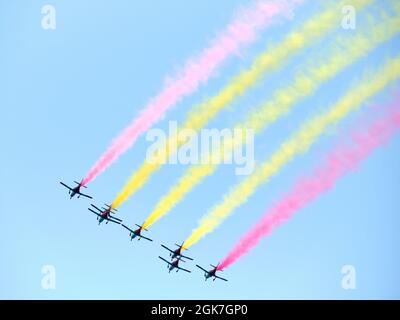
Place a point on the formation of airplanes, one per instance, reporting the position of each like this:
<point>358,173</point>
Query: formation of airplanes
<point>107,213</point>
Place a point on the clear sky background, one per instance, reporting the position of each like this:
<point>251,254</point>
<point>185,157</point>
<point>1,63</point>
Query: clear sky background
<point>66,93</point>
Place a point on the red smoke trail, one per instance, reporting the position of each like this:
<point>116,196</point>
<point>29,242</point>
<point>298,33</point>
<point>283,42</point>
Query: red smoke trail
<point>241,31</point>
<point>338,162</point>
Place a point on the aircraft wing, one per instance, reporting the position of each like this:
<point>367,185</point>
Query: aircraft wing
<point>187,257</point>
<point>145,238</point>
<point>97,208</point>
<point>85,195</point>
<point>116,222</point>
<point>130,230</point>
<point>169,263</point>
<point>96,213</point>
<point>65,185</point>
<point>220,278</point>
<point>115,218</point>
<point>183,269</point>
<point>167,248</point>
<point>201,268</point>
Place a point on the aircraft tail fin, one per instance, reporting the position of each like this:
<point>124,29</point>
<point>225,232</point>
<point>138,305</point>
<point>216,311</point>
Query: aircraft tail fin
<point>141,226</point>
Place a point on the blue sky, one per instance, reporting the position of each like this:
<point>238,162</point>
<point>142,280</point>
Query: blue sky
<point>66,93</point>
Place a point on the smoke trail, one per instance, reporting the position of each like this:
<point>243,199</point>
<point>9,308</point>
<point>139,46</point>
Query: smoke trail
<point>272,58</point>
<point>299,143</point>
<point>242,31</point>
<point>338,162</point>
<point>344,53</point>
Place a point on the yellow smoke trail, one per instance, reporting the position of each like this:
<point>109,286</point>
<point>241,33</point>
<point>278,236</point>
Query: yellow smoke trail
<point>272,58</point>
<point>297,144</point>
<point>346,51</point>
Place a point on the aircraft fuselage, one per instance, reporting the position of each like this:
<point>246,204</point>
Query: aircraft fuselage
<point>75,191</point>
<point>176,254</point>
<point>210,274</point>
<point>173,265</point>
<point>135,234</point>
<point>104,216</point>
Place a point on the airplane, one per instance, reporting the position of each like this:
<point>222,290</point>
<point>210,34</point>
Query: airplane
<point>174,265</point>
<point>211,273</point>
<point>177,253</point>
<point>104,214</point>
<point>76,191</point>
<point>136,233</point>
